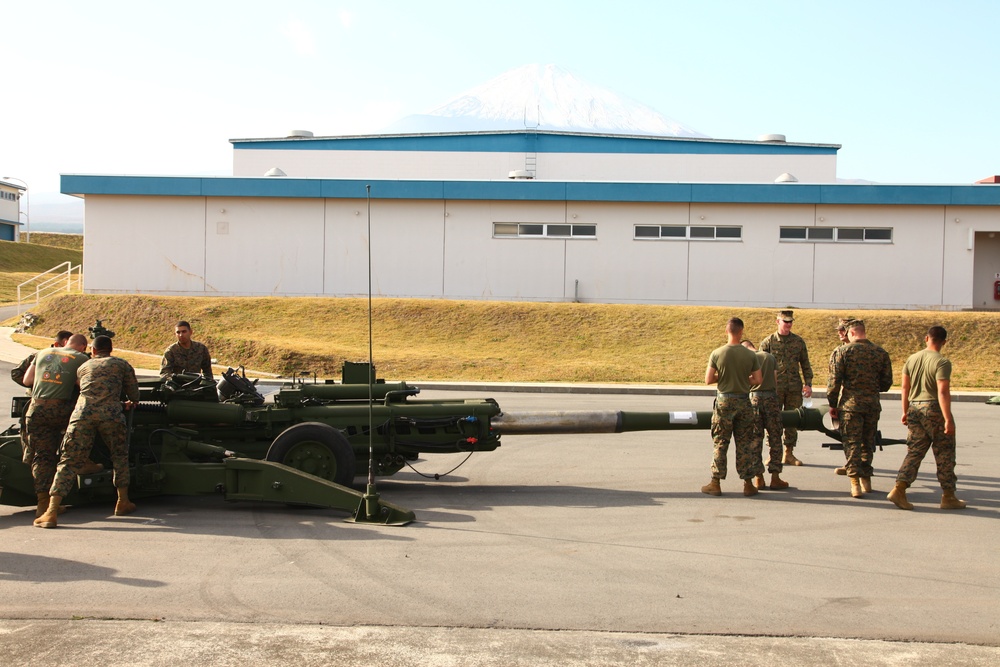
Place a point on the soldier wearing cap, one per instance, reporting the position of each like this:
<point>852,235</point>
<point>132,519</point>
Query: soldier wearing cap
<point>862,370</point>
<point>842,326</point>
<point>790,353</point>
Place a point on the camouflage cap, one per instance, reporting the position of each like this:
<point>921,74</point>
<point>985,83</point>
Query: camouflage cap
<point>844,323</point>
<point>785,315</point>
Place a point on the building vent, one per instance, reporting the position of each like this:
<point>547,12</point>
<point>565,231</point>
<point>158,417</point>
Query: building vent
<point>275,171</point>
<point>520,175</point>
<point>786,178</point>
<point>772,138</point>
<point>299,134</point>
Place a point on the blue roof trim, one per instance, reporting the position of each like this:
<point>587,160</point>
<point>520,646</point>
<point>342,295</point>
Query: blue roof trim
<point>735,193</point>
<point>522,142</point>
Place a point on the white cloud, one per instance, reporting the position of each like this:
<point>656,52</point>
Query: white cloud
<point>346,18</point>
<point>301,37</point>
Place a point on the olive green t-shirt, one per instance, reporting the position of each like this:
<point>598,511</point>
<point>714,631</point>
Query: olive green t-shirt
<point>925,368</point>
<point>55,372</point>
<point>734,363</point>
<point>767,363</point>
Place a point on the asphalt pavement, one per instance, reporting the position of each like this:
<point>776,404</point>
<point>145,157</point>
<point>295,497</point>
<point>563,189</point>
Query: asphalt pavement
<point>552,550</point>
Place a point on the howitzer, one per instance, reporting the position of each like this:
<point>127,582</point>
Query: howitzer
<point>305,444</point>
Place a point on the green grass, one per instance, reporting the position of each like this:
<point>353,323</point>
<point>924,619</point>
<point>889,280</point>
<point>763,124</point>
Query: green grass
<point>70,241</point>
<point>22,261</point>
<point>502,341</point>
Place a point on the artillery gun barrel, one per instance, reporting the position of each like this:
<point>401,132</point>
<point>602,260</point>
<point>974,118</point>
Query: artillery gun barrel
<point>609,421</point>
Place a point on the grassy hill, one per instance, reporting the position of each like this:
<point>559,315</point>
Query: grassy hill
<point>56,240</point>
<point>502,341</point>
<point>22,261</point>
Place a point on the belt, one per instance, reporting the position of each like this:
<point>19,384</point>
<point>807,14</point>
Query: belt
<point>926,400</point>
<point>734,395</point>
<point>771,392</point>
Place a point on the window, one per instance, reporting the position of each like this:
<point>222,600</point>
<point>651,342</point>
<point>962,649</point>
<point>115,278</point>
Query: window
<point>535,230</point>
<point>836,234</point>
<point>688,232</point>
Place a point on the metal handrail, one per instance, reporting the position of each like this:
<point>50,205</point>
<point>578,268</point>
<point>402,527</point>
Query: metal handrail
<point>63,281</point>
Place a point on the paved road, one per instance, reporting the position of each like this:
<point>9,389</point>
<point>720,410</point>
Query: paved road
<point>595,550</point>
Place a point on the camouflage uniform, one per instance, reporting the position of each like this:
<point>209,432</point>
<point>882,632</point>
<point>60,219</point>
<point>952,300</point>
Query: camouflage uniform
<point>732,416</point>
<point>103,381</point>
<point>194,359</point>
<point>861,371</point>
<point>790,353</point>
<point>767,417</point>
<point>925,420</point>
<point>17,375</point>
<point>51,405</point>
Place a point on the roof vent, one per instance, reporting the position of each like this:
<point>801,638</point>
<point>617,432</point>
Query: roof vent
<point>299,134</point>
<point>772,138</point>
<point>275,171</point>
<point>521,175</point>
<point>786,178</point>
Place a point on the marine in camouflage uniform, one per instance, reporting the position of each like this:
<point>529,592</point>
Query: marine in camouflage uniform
<point>842,326</point>
<point>17,375</point>
<point>862,370</point>
<point>929,422</point>
<point>767,419</point>
<point>186,355</point>
<point>790,353</point>
<point>104,381</point>
<point>732,366</point>
<point>53,379</point>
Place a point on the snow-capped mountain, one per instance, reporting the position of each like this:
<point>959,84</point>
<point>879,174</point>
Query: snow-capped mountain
<point>544,97</point>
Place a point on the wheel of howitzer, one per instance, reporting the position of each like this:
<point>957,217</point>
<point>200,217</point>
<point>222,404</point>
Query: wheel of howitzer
<point>315,448</point>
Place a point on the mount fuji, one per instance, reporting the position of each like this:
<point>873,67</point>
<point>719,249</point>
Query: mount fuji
<point>543,97</point>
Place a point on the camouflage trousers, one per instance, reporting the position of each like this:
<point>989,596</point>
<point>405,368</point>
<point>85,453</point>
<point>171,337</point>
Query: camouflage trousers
<point>858,436</point>
<point>925,425</point>
<point>767,419</point>
<point>790,399</point>
<point>45,422</point>
<point>77,445</point>
<point>733,418</point>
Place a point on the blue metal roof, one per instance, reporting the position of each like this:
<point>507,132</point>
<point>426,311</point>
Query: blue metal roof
<point>518,190</point>
<point>537,142</point>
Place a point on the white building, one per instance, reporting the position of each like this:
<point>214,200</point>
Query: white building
<point>10,210</point>
<point>537,214</point>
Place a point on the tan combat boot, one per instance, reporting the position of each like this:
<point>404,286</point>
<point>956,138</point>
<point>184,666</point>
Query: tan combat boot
<point>124,505</point>
<point>856,491</point>
<point>749,489</point>
<point>790,459</point>
<point>898,496</point>
<point>840,471</point>
<point>713,488</point>
<point>866,484</point>
<point>950,502</point>
<point>43,503</point>
<point>48,519</point>
<point>777,482</point>
<point>760,483</point>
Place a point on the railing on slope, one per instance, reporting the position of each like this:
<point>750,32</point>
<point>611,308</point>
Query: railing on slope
<point>61,278</point>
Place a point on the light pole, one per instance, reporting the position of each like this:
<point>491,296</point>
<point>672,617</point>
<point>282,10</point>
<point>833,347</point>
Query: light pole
<point>27,206</point>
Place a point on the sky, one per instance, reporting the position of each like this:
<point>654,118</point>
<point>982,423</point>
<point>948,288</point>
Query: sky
<point>105,87</point>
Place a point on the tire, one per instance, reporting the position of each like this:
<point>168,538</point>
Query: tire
<point>317,449</point>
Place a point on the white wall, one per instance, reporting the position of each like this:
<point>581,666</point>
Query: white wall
<point>607,167</point>
<point>438,249</point>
